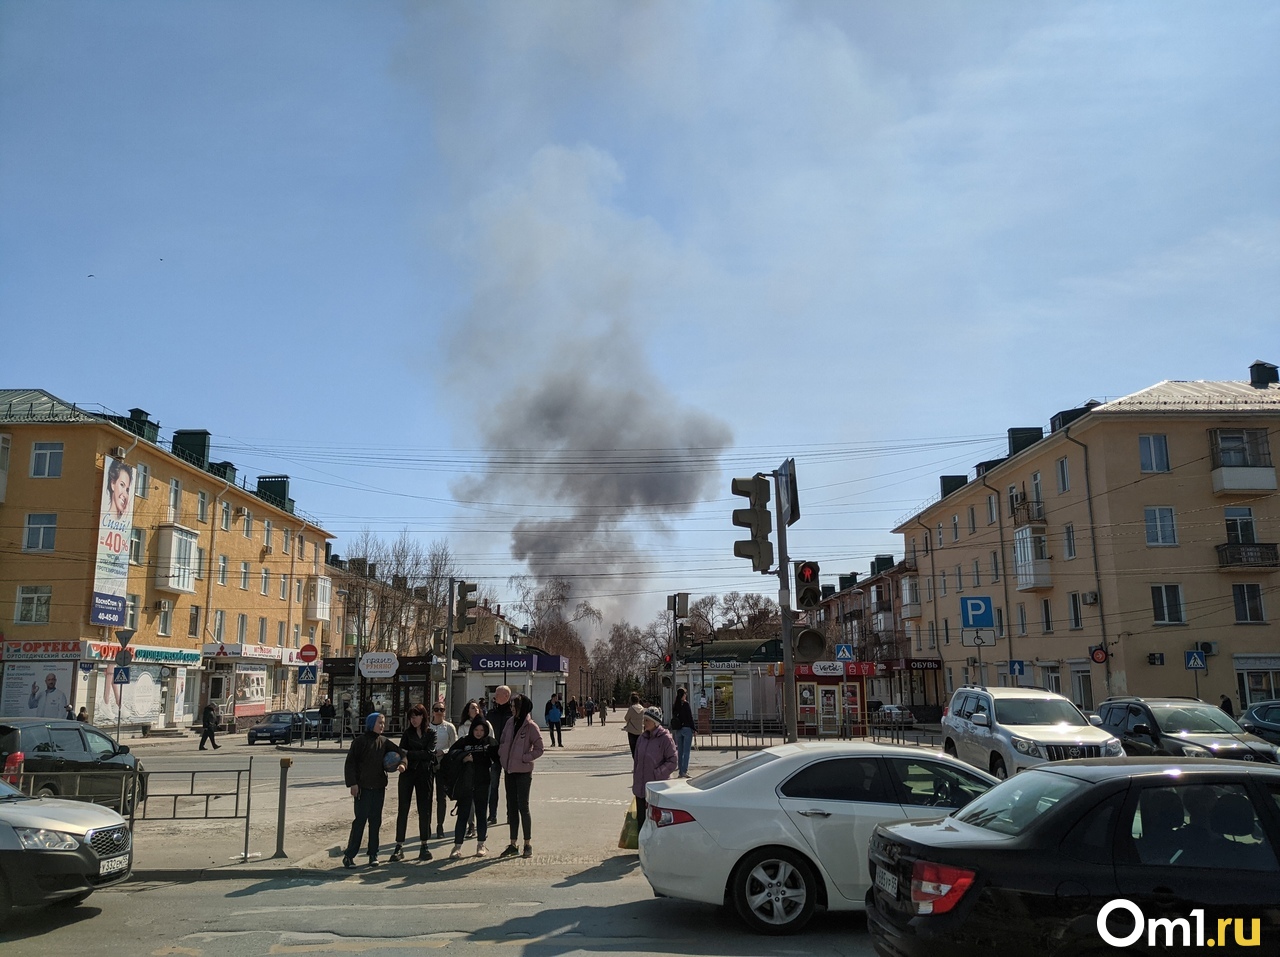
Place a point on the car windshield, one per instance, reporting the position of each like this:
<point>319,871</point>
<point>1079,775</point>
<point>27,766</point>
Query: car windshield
<point>279,717</point>
<point>1038,711</point>
<point>728,772</point>
<point>1193,719</point>
<point>1015,805</point>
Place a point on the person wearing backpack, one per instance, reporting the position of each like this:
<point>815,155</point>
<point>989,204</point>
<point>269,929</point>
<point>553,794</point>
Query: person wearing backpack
<point>554,713</point>
<point>478,751</point>
<point>520,746</point>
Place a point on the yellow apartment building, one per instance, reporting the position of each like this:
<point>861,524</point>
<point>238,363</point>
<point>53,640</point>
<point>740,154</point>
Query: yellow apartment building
<point>1131,533</point>
<point>106,534</point>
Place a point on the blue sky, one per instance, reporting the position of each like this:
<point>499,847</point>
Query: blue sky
<point>450,265</point>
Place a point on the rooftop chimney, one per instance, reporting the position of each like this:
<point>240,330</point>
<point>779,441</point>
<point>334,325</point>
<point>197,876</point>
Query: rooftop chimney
<point>1023,438</point>
<point>951,483</point>
<point>1262,374</point>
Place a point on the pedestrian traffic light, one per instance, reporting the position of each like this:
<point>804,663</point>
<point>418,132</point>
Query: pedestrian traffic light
<point>808,644</point>
<point>808,589</point>
<point>666,660</point>
<point>462,620</point>
<point>757,548</point>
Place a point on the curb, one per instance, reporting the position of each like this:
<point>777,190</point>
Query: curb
<point>233,873</point>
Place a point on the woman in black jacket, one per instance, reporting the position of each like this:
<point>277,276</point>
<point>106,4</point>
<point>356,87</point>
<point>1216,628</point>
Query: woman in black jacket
<point>418,748</point>
<point>479,751</point>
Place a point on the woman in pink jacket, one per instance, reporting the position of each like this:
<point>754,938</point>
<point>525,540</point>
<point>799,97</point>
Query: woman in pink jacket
<point>520,746</point>
<point>655,758</point>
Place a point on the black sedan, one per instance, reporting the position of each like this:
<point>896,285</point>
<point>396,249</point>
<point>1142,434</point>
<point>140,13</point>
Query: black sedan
<point>278,726</point>
<point>1084,857</point>
<point>1263,719</point>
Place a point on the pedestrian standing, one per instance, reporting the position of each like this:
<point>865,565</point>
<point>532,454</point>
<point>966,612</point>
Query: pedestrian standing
<point>470,711</point>
<point>446,734</point>
<point>590,708</point>
<point>83,716</point>
<point>571,711</point>
<point>519,747</point>
<point>682,725</point>
<point>418,748</point>
<point>655,757</point>
<point>554,714</point>
<point>498,717</point>
<point>365,773</point>
<point>327,713</point>
<point>479,751</point>
<point>210,719</point>
<point>633,723</point>
<point>604,711</point>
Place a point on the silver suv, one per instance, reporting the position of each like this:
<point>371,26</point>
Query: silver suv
<point>1006,730</point>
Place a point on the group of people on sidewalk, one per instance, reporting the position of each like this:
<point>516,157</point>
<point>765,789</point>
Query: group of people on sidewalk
<point>435,760</point>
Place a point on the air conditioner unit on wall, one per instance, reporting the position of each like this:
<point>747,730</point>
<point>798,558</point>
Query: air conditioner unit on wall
<point>1089,598</point>
<point>117,452</point>
<point>1019,498</point>
<point>240,511</point>
<point>162,605</point>
<point>1209,648</point>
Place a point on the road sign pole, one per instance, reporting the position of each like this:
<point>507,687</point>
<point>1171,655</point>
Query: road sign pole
<point>784,601</point>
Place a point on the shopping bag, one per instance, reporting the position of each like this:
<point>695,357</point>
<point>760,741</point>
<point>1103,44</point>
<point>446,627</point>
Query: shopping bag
<point>629,839</point>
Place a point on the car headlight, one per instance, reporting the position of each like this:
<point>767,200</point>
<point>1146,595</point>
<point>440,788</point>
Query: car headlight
<point>1113,748</point>
<point>1195,751</point>
<point>1027,747</point>
<point>42,839</point>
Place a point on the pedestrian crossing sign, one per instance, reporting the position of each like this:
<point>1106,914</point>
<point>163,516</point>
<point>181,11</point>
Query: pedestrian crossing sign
<point>121,677</point>
<point>1195,661</point>
<point>844,652</point>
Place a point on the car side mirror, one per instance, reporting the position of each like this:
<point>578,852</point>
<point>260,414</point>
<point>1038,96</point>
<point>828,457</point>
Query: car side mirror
<point>1140,729</point>
<point>981,720</point>
<point>1095,720</point>
<point>122,749</point>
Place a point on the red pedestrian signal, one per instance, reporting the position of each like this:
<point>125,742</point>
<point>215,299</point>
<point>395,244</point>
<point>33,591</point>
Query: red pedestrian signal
<point>808,588</point>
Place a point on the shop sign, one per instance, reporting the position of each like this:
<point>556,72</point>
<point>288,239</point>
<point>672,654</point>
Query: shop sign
<point>828,668</point>
<point>502,662</point>
<point>31,650</point>
<point>226,650</point>
<point>379,664</point>
<point>141,653</point>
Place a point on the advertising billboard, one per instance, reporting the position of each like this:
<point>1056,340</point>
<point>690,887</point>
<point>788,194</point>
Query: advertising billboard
<point>115,526</point>
<point>37,689</point>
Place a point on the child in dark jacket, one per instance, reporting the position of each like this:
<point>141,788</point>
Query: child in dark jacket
<point>479,752</point>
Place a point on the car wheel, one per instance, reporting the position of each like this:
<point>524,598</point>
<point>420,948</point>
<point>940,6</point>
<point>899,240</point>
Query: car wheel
<point>775,891</point>
<point>950,748</point>
<point>73,901</point>
<point>46,791</point>
<point>997,767</point>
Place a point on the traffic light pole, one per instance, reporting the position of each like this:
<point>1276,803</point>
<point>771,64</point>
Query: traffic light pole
<point>448,657</point>
<point>789,703</point>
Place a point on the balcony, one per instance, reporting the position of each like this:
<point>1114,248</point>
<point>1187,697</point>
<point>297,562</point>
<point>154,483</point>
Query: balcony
<point>1240,460</point>
<point>176,568</point>
<point>883,604</point>
<point>319,598</point>
<point>910,609</point>
<point>1031,562</point>
<point>1243,479</point>
<point>1028,512</point>
<point>1248,557</point>
<point>853,614</point>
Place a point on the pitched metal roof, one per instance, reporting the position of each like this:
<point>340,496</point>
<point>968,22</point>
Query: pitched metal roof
<point>1197,396</point>
<point>36,405</point>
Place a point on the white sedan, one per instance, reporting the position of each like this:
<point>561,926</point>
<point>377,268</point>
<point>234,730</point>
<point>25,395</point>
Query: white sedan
<point>783,830</point>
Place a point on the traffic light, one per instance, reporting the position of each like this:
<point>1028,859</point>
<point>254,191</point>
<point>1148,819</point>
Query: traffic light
<point>758,548</point>
<point>808,644</point>
<point>808,589</point>
<point>666,660</point>
<point>461,619</point>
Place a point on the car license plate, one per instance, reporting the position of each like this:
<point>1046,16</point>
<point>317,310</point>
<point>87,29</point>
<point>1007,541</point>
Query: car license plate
<point>887,881</point>
<point>113,865</point>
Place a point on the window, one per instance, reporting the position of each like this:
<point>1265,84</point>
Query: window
<point>955,528</point>
<point>46,460</point>
<point>244,576</point>
<point>1013,499</point>
<point>142,482</point>
<point>262,631</point>
<point>1201,826</point>
<point>959,579</point>
<point>226,516</point>
<point>1240,529</point>
<point>1248,601</point>
<point>175,499</point>
<point>177,557</point>
<point>1075,611</point>
<point>933,635</point>
<point>222,569</point>
<point>131,603</point>
<point>1030,545</point>
<point>280,633</point>
<point>939,534</point>
<point>946,631</point>
<point>977,573</point>
<point>999,622</point>
<point>942,584</point>
<point>242,627</point>
<point>41,531</point>
<point>841,779</point>
<point>267,533</point>
<point>1166,605</point>
<point>219,625</point>
<point>193,622</point>
<point>1064,476</point>
<point>33,604</point>
<point>137,545</point>
<point>297,636</point>
<point>202,506</point>
<point>1036,495</point>
<point>1052,678</point>
<point>924,783</point>
<point>1022,618</point>
<point>992,514</point>
<point>164,626</point>
<point>1153,453</point>
<point>995,566</point>
<point>1240,448</point>
<point>266,581</point>
<point>284,587</point>
<point>302,548</point>
<point>1160,526</point>
<point>1046,616</point>
<point>288,539</point>
<point>200,556</point>
<point>248,524</point>
<point>928,589</point>
<point>1069,541</point>
<point>973,519</point>
<point>298,591</point>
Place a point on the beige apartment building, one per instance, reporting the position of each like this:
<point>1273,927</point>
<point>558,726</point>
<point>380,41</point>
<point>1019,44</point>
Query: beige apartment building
<point>105,532</point>
<point>1128,534</point>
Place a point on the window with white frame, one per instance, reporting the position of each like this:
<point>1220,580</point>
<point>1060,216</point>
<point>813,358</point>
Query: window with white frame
<point>1046,616</point>
<point>1248,601</point>
<point>995,566</point>
<point>1022,618</point>
<point>911,591</point>
<point>1069,541</point>
<point>1051,678</point>
<point>946,631</point>
<point>1240,528</point>
<point>1240,448</point>
<point>977,573</point>
<point>933,635</point>
<point>40,533</point>
<point>267,533</point>
<point>1153,453</point>
<point>939,534</point>
<point>219,625</point>
<point>992,509</point>
<point>5,444</point>
<point>178,551</point>
<point>248,524</point>
<point>286,540</point>
<point>222,569</point>
<point>280,633</point>
<point>942,583</point>
<point>244,576</point>
<point>955,528</point>
<point>999,622</point>
<point>242,627</point>
<point>262,630</point>
<point>298,589</point>
<point>928,589</point>
<point>950,681</point>
<point>302,548</point>
<point>164,623</point>
<point>1036,493</point>
<point>1075,611</point>
<point>142,481</point>
<point>1064,475</point>
<point>1166,605</point>
<point>266,581</point>
<point>284,587</point>
<point>1013,499</point>
<point>175,499</point>
<point>315,558</point>
<point>973,519</point>
<point>46,460</point>
<point>34,602</point>
<point>131,605</point>
<point>959,578</point>
<point>137,545</point>
<point>193,622</point>
<point>200,557</point>
<point>202,506</point>
<point>297,636</point>
<point>1160,525</point>
<point>226,517</point>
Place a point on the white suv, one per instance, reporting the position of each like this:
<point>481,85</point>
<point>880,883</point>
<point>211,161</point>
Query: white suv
<point>1006,730</point>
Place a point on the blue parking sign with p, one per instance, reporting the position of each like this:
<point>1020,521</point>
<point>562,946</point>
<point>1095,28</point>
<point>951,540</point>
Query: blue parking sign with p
<point>977,612</point>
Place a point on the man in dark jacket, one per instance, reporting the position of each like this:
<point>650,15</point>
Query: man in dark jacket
<point>327,713</point>
<point>498,718</point>
<point>366,777</point>
<point>210,719</point>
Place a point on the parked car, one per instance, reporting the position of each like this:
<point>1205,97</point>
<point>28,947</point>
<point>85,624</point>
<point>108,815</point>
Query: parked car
<point>1005,730</point>
<point>278,727</point>
<point>1263,719</point>
<point>783,830</point>
<point>61,758</point>
<point>312,716</point>
<point>1048,861</point>
<point>893,716</point>
<point>57,851</point>
<point>1181,727</point>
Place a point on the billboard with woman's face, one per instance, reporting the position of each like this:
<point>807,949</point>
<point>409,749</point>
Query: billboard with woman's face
<point>115,527</point>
